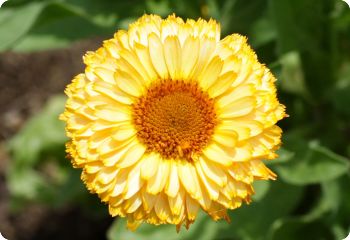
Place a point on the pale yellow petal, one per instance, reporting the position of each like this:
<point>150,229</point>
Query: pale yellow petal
<point>190,53</point>
<point>239,108</point>
<point>222,84</point>
<point>128,84</point>
<point>149,166</point>
<point>124,132</point>
<point>189,179</point>
<point>213,171</point>
<point>172,54</point>
<point>134,182</point>
<point>157,183</point>
<point>210,74</point>
<point>173,185</point>
<point>155,48</point>
<point>212,188</point>
<point>192,208</point>
<point>132,156</point>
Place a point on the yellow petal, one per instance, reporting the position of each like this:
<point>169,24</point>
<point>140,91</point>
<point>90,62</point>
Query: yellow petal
<point>106,174</point>
<point>104,74</point>
<point>132,156</point>
<point>162,207</point>
<point>133,204</point>
<point>124,132</point>
<point>206,50</point>
<point>235,95</point>
<point>120,184</point>
<point>172,54</point>
<point>192,208</point>
<point>113,114</point>
<point>145,59</point>
<point>134,183</point>
<point>177,202</point>
<point>190,53</point>
<point>189,179</point>
<point>213,172</point>
<point>211,73</point>
<point>238,108</point>
<point>136,66</point>
<point>173,185</point>
<point>112,91</point>
<point>149,200</point>
<point>225,136</point>
<point>128,84</point>
<point>157,183</point>
<point>215,154</point>
<point>155,48</point>
<point>212,188</point>
<point>222,84</point>
<point>150,164</point>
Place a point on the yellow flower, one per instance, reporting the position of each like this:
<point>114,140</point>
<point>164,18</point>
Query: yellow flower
<point>168,119</point>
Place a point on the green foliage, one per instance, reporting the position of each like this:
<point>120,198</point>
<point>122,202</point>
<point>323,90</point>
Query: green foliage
<point>305,44</point>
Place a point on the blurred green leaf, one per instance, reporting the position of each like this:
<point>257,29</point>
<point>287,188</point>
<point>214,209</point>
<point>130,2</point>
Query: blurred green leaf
<point>292,74</point>
<point>299,228</point>
<point>15,23</point>
<point>303,26</point>
<point>41,132</point>
<point>313,164</point>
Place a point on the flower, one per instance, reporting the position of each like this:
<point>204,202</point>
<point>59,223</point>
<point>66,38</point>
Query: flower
<point>168,119</point>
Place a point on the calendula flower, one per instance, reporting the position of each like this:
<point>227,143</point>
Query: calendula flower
<point>168,119</point>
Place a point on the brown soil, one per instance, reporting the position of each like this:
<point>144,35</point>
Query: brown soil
<point>26,82</point>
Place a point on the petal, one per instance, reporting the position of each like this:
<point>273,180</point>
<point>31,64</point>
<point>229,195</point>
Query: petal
<point>236,94</point>
<point>162,208</point>
<point>120,183</point>
<point>225,136</point>
<point>173,185</point>
<point>222,84</point>
<point>192,208</point>
<point>150,164</point>
<point>155,48</point>
<point>172,54</point>
<point>157,183</point>
<point>128,84</point>
<point>190,53</point>
<point>132,156</point>
<point>216,155</point>
<point>124,132</point>
<point>238,108</point>
<point>189,179</point>
<point>134,182</point>
<point>213,172</point>
<point>212,188</point>
<point>211,73</point>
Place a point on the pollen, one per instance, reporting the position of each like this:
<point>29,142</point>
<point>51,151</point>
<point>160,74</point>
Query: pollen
<point>175,119</point>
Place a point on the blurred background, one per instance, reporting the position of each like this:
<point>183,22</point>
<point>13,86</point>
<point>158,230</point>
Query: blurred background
<point>305,43</point>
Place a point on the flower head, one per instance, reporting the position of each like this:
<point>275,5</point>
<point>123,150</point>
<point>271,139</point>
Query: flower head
<point>168,119</point>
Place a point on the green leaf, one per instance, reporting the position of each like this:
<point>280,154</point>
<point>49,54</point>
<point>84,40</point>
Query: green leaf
<point>313,164</point>
<point>303,26</point>
<point>292,74</point>
<point>41,132</point>
<point>299,228</point>
<point>253,221</point>
<point>16,22</point>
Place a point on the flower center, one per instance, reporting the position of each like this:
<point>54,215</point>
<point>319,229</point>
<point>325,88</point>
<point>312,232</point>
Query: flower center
<point>175,119</point>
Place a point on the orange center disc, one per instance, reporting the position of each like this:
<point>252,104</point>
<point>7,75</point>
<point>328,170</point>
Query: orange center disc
<point>175,119</point>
